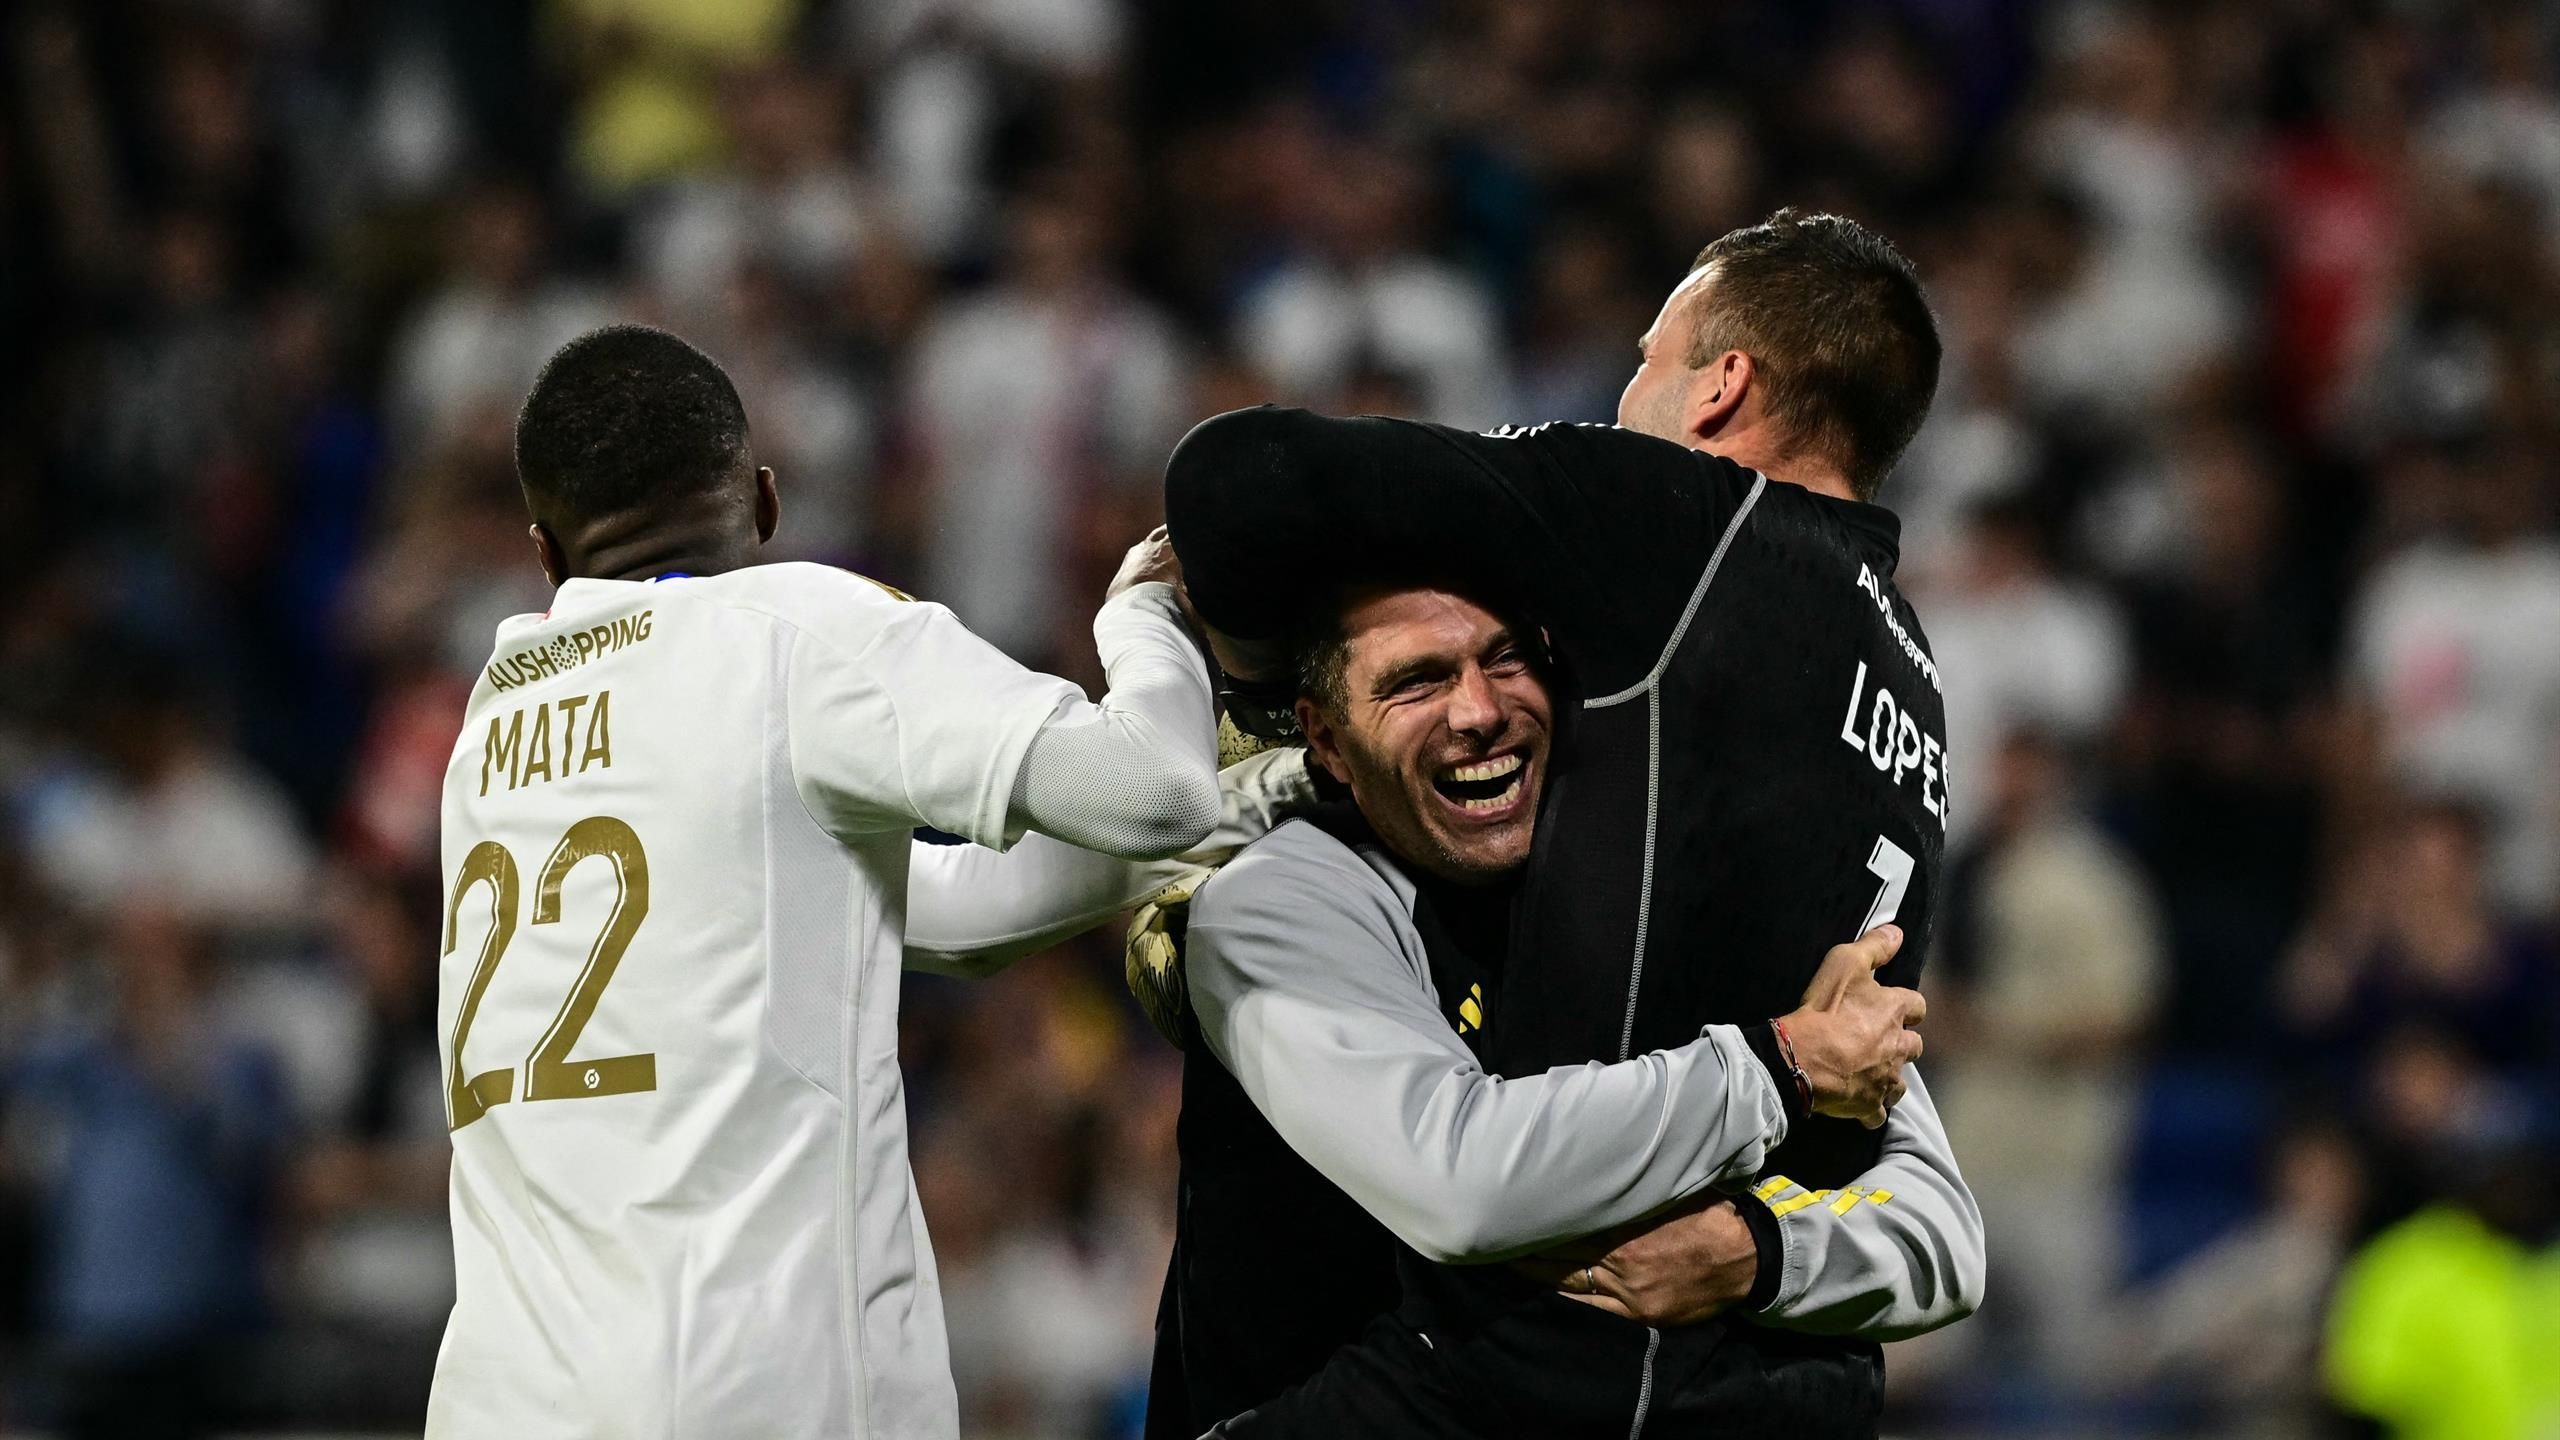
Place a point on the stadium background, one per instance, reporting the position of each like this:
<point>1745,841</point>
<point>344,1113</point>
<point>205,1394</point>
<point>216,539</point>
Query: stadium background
<point>2233,530</point>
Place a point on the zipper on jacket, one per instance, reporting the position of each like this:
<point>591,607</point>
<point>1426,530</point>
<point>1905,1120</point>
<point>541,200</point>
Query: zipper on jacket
<point>1644,1382</point>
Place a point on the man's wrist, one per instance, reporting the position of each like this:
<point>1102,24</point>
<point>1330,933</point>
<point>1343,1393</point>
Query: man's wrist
<point>1776,1055</point>
<point>1145,614</point>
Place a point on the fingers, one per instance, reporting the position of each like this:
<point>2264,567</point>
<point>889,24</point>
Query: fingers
<point>1844,965</point>
<point>1879,945</point>
<point>1604,1302</point>
<point>1914,1008</point>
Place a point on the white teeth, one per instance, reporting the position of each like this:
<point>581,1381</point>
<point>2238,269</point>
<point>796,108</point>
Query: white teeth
<point>1493,769</point>
<point>1492,802</point>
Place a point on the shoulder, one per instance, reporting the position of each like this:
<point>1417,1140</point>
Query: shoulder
<point>1297,869</point>
<point>835,605</point>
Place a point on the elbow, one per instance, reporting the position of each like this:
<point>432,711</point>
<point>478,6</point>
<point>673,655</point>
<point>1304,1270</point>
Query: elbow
<point>1964,1289</point>
<point>957,964</point>
<point>1455,1236</point>
<point>1181,819</point>
<point>1969,1273</point>
<point>1220,447</point>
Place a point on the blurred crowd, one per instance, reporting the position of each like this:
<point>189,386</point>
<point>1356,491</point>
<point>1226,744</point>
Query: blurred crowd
<point>2233,531</point>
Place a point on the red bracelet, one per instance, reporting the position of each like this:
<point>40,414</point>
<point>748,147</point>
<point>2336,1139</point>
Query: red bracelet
<point>1787,1052</point>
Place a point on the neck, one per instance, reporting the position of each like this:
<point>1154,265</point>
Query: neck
<point>1786,469</point>
<point>1753,445</point>
<point>650,562</point>
<point>704,540</point>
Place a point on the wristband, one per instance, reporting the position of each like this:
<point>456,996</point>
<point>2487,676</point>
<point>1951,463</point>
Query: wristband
<point>1795,1070</point>
<point>1786,1077</point>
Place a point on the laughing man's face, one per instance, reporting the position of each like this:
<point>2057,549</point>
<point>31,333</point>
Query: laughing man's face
<point>1441,734</point>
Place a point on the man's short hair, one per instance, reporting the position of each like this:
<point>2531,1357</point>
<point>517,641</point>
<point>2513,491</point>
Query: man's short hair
<point>625,418</point>
<point>1324,667</point>
<point>1839,334</point>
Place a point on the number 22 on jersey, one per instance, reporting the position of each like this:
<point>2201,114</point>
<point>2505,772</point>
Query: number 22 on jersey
<point>549,1072</point>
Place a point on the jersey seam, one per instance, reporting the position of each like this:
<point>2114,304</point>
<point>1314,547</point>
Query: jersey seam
<point>1680,632</point>
<point>1651,688</point>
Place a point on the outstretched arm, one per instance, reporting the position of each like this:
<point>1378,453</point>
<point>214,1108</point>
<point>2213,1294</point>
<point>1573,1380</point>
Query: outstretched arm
<point>906,718</point>
<point>972,911</point>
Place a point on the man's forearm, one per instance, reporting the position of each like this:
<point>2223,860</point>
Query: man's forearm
<point>1898,1253</point>
<point>1348,1057</point>
<point>1135,776</point>
<point>1262,501</point>
<point>972,911</point>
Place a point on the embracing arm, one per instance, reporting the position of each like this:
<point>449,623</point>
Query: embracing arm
<point>972,911</point>
<point>899,716</point>
<point>1897,1254</point>
<point>1309,985</point>
<point>1135,775</point>
<point>1595,532</point>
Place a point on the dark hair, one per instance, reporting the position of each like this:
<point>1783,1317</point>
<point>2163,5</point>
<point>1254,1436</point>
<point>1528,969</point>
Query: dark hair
<point>626,417</point>
<point>1839,334</point>
<point>1324,667</point>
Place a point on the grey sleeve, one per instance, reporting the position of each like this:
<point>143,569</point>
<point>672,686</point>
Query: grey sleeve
<point>972,911</point>
<point>1898,1254</point>
<point>1136,775</point>
<point>1310,986</point>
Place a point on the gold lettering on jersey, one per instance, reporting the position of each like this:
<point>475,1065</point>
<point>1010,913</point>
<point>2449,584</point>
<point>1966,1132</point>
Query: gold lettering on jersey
<point>522,755</point>
<point>599,749</point>
<point>568,650</point>
<point>537,749</point>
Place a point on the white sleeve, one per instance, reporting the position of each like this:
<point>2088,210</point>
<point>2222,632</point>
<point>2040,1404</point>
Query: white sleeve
<point>1898,1254</point>
<point>899,717</point>
<point>972,911</point>
<point>1135,775</point>
<point>1310,987</point>
<point>923,724</point>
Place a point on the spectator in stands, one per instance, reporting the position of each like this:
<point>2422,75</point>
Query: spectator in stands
<point>168,1133</point>
<point>1043,410</point>
<point>2051,973</point>
<point>2449,647</point>
<point>2020,649</point>
<point>2413,936</point>
<point>2235,1330</point>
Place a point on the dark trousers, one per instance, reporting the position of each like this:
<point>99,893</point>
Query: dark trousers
<point>1547,1372</point>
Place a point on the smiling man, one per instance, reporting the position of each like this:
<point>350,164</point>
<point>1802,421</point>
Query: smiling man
<point>1757,763</point>
<point>1346,976</point>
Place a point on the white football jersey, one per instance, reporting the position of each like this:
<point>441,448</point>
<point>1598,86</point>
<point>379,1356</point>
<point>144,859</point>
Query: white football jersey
<point>676,829</point>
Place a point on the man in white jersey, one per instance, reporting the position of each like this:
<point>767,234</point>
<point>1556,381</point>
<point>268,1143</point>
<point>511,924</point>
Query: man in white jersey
<point>676,835</point>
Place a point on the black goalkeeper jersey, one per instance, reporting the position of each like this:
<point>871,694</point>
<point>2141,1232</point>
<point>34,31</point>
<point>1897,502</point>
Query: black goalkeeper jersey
<point>1752,764</point>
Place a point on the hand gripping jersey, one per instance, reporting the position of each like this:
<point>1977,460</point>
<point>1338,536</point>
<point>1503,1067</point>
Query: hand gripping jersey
<point>676,831</point>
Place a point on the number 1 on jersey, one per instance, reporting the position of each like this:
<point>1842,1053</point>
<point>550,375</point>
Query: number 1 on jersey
<point>1891,864</point>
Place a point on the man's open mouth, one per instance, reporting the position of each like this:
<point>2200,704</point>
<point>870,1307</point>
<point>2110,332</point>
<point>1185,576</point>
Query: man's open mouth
<point>1483,786</point>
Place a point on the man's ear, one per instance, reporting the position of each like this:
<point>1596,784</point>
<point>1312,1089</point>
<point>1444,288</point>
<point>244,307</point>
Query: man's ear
<point>547,551</point>
<point>768,504</point>
<point>1324,743</point>
<point>1717,395</point>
